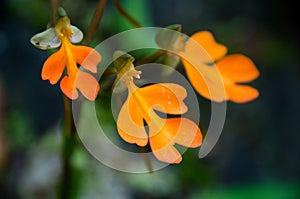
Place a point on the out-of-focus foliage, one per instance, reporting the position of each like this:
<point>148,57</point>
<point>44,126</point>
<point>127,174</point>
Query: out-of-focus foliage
<point>257,155</point>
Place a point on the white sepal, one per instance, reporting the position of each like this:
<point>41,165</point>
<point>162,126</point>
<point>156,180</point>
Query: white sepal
<point>77,35</point>
<point>46,40</point>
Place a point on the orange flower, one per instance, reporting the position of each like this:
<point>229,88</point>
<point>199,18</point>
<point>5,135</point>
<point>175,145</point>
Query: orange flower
<point>141,105</point>
<point>234,70</point>
<point>68,56</point>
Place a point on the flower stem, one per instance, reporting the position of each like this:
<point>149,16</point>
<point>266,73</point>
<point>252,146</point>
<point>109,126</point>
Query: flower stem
<point>69,128</point>
<point>150,58</point>
<point>67,151</point>
<point>95,21</point>
<point>54,6</point>
<point>146,158</point>
<point>125,14</point>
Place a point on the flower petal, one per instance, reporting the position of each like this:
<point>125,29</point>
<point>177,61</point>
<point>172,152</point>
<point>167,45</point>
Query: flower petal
<point>188,133</point>
<point>169,154</point>
<point>131,126</point>
<point>207,83</point>
<point>87,57</point>
<point>137,110</point>
<point>54,67</point>
<point>176,130</point>
<point>87,85</point>
<point>241,93</point>
<point>238,68</point>
<point>166,97</point>
<point>46,40</point>
<point>77,35</point>
<point>67,87</point>
<point>207,41</point>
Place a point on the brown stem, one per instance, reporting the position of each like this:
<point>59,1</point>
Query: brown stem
<point>95,21</point>
<point>150,58</point>
<point>146,159</point>
<point>54,6</point>
<point>67,151</point>
<point>69,125</point>
<point>134,22</point>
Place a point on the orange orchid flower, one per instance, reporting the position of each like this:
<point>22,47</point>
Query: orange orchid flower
<point>68,56</point>
<point>234,70</point>
<point>141,105</point>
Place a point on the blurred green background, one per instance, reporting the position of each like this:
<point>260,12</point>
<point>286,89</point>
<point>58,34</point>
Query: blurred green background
<point>257,155</point>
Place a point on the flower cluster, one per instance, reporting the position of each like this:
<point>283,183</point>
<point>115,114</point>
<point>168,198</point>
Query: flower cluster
<point>213,74</point>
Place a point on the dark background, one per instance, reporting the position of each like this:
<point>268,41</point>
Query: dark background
<point>257,155</point>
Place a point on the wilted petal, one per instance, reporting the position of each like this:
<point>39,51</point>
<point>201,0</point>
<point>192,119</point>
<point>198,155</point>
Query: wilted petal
<point>54,67</point>
<point>238,68</point>
<point>87,57</point>
<point>87,85</point>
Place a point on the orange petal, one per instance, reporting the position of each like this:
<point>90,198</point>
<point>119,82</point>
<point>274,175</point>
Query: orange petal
<point>241,93</point>
<point>67,87</point>
<point>176,130</point>
<point>138,108</point>
<point>207,83</point>
<point>132,139</point>
<point>207,41</point>
<point>54,67</point>
<point>168,154</point>
<point>87,85</point>
<point>87,57</point>
<point>238,68</point>
<point>131,126</point>
<point>161,137</point>
<point>166,97</point>
<point>188,133</point>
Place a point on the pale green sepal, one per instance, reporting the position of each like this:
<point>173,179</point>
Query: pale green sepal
<point>46,40</point>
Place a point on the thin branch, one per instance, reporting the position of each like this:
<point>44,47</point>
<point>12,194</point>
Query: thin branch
<point>67,151</point>
<point>69,128</point>
<point>125,14</point>
<point>150,58</point>
<point>54,6</point>
<point>95,21</point>
<point>147,161</point>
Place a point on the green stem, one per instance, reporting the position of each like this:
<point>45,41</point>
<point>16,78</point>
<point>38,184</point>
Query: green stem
<point>67,151</point>
<point>146,159</point>
<point>150,58</point>
<point>54,6</point>
<point>95,21</point>
<point>134,22</point>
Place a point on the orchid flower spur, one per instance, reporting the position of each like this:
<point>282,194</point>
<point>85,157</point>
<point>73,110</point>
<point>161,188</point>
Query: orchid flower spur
<point>142,105</point>
<point>68,56</point>
<point>234,70</point>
